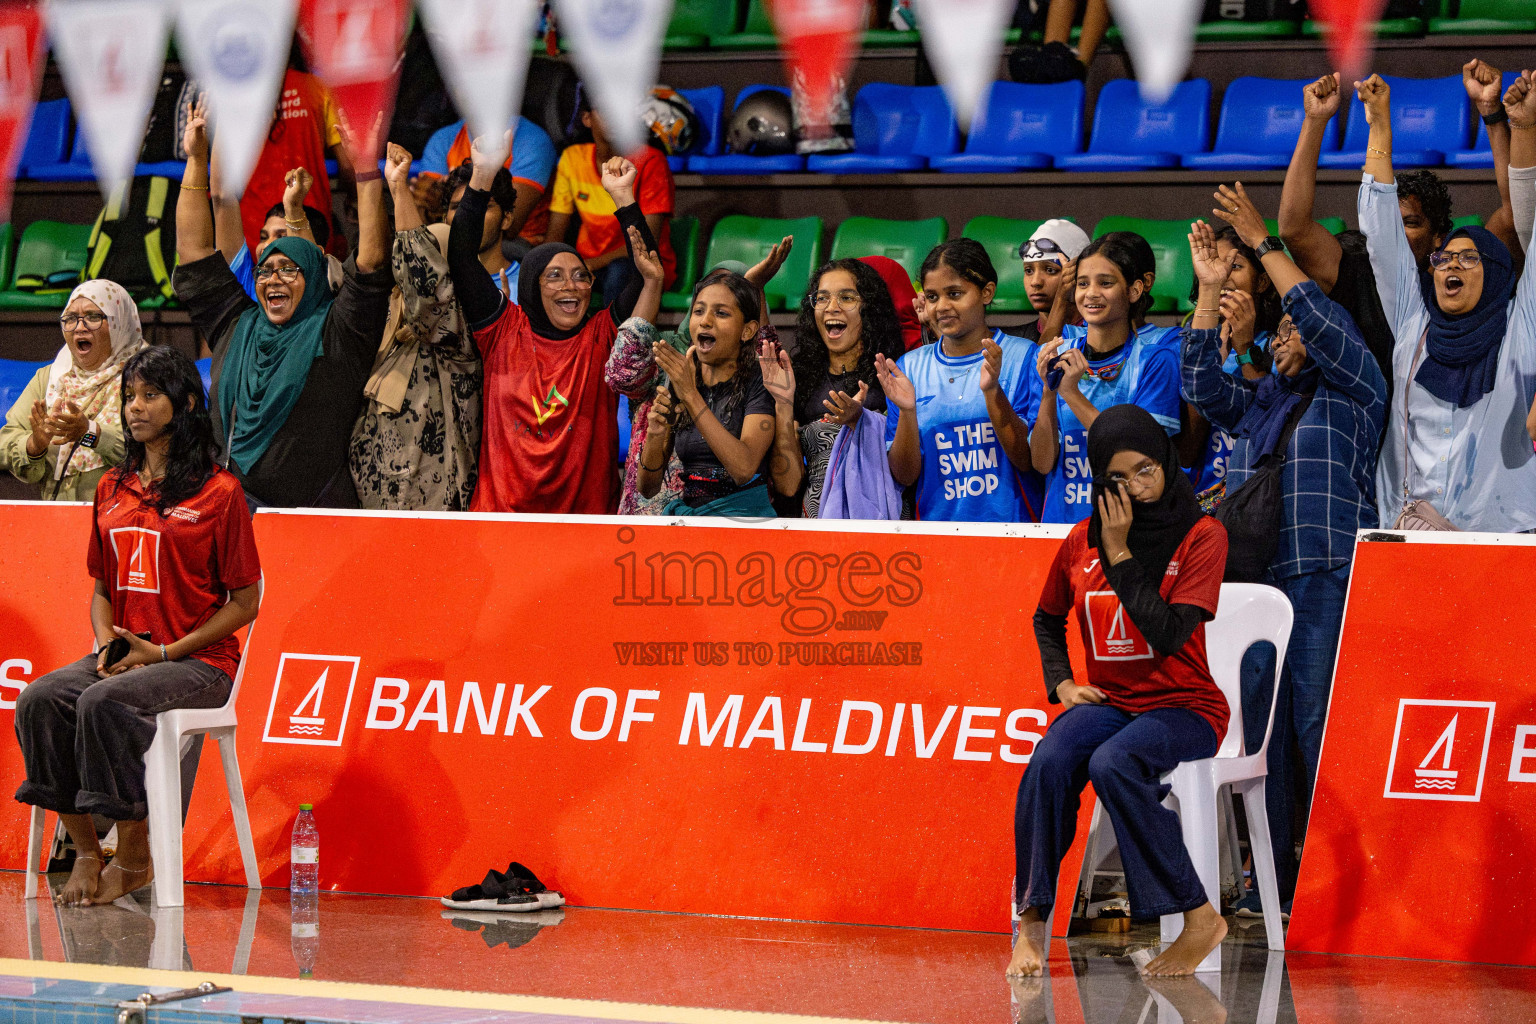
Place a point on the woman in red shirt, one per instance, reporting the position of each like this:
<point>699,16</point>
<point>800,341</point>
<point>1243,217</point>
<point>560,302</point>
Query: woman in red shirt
<point>174,560</point>
<point>1144,576</point>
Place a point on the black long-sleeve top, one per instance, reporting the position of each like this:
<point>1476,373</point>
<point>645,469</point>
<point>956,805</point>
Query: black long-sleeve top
<point>1166,627</point>
<point>482,300</point>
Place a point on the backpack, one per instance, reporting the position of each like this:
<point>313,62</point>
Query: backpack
<point>134,239</point>
<point>1254,512</point>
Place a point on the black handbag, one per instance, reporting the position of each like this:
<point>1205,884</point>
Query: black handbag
<point>1254,512</point>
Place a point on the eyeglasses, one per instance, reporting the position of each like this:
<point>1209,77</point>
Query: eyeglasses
<point>1284,333</point>
<point>559,277</point>
<point>1039,249</point>
<point>1141,478</point>
<point>287,275</point>
<point>1462,259</point>
<point>844,300</point>
<point>69,321</point>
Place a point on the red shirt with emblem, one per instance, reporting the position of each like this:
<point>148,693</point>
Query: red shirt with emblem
<point>168,576</point>
<point>549,438</point>
<point>1132,675</point>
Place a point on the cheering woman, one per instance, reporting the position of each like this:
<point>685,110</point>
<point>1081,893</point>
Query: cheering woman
<point>1144,575</point>
<point>176,576</point>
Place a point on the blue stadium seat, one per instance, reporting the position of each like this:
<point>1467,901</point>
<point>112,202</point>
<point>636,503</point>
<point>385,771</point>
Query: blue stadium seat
<point>709,104</point>
<point>15,375</point>
<point>1258,127</point>
<point>76,168</point>
<point>172,169</point>
<point>48,137</point>
<point>1020,127</point>
<point>1480,155</point>
<point>1430,118</point>
<point>738,163</point>
<point>895,128</point>
<point>1130,134</point>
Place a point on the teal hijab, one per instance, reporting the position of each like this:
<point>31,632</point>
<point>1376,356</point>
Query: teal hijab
<point>267,364</point>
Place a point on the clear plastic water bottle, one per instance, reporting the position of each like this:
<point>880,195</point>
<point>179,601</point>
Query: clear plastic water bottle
<point>304,909</point>
<point>304,854</point>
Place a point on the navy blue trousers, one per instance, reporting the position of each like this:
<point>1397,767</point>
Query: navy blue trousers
<point>1124,756</point>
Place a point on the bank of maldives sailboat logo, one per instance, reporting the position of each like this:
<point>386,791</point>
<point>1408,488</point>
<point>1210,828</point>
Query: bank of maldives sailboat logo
<point>1440,750</point>
<point>1442,778</point>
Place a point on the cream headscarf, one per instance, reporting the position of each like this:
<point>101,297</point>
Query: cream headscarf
<point>96,393</point>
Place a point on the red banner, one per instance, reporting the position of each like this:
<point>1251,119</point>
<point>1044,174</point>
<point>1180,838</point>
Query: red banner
<point>354,46</point>
<point>819,38</point>
<point>1425,804</point>
<point>21,74</point>
<point>771,722</point>
<point>1350,32</point>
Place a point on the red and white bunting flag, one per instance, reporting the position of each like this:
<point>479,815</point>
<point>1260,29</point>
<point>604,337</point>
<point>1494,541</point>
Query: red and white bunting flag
<point>237,51</point>
<point>964,40</point>
<point>21,73</point>
<point>354,48</point>
<point>483,48</point>
<point>819,38</point>
<point>616,45</point>
<point>1350,32</point>
<point>110,53</point>
<point>1159,37</point>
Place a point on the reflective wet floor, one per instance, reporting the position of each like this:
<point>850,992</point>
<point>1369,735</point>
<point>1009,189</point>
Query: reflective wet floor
<point>712,964</point>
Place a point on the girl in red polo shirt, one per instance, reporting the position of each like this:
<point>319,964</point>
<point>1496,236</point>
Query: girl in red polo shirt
<point>1144,576</point>
<point>176,571</point>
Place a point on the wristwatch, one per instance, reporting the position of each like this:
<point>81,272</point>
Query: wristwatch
<point>1269,245</point>
<point>1245,357</point>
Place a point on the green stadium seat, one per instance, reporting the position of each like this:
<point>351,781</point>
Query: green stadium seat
<point>694,21</point>
<point>1471,220</point>
<point>1170,244</point>
<point>7,253</point>
<point>1002,237</point>
<point>49,255</point>
<point>905,241</point>
<point>749,239</point>
<point>1391,28</point>
<point>886,37</point>
<point>1227,31</point>
<point>756,32</point>
<point>1488,17</point>
<point>685,243</point>
<point>1333,225</point>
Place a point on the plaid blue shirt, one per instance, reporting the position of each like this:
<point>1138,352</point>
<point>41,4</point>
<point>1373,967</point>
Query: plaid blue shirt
<point>1329,480</point>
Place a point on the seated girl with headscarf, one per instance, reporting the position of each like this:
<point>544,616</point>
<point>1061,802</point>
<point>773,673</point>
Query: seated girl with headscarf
<point>289,368</point>
<point>66,430</point>
<point>550,434</point>
<point>1464,355</point>
<point>1143,573</point>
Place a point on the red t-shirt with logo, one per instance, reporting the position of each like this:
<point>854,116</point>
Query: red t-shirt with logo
<point>167,576</point>
<point>549,437</point>
<point>1132,675</point>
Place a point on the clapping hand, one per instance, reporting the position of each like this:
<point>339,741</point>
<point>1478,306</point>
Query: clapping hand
<point>681,370</point>
<point>1237,209</point>
<point>896,385</point>
<point>843,410</point>
<point>763,271</point>
<point>1210,271</point>
<point>991,364</point>
<point>647,261</point>
<point>778,372</point>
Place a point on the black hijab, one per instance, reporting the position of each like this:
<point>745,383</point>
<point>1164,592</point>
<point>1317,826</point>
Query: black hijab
<point>531,297</point>
<point>1157,529</point>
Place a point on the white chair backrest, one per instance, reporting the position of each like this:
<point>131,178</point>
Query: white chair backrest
<point>234,691</point>
<point>1247,614</point>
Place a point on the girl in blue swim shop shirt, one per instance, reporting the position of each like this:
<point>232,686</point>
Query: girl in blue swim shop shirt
<point>962,407</point>
<point>1106,362</point>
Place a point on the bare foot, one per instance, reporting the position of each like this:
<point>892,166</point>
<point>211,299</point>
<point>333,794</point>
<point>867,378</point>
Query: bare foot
<point>1029,951</point>
<point>1193,1001</point>
<point>1203,931</point>
<point>82,882</point>
<point>118,881</point>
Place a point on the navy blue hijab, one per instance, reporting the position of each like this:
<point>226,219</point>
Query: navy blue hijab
<point>1461,354</point>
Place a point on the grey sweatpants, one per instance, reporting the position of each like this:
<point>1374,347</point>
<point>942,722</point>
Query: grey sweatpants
<point>83,737</point>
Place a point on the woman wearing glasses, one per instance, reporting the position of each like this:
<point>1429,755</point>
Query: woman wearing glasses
<point>549,435</point>
<point>828,386</point>
<point>1325,403</point>
<point>1107,362</point>
<point>289,368</point>
<point>1464,355</point>
<point>66,430</point>
<point>1143,575</point>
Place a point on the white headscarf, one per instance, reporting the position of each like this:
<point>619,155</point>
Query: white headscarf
<point>96,393</point>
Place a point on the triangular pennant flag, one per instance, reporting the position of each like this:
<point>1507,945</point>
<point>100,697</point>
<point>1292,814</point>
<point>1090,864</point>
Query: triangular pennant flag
<point>617,48</point>
<point>1349,31</point>
<point>1159,37</point>
<point>237,51</point>
<point>110,53</point>
<point>819,39</point>
<point>354,48</point>
<point>483,48</point>
<point>21,74</point>
<point>964,39</point>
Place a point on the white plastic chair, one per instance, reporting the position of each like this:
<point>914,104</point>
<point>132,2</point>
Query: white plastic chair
<point>162,783</point>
